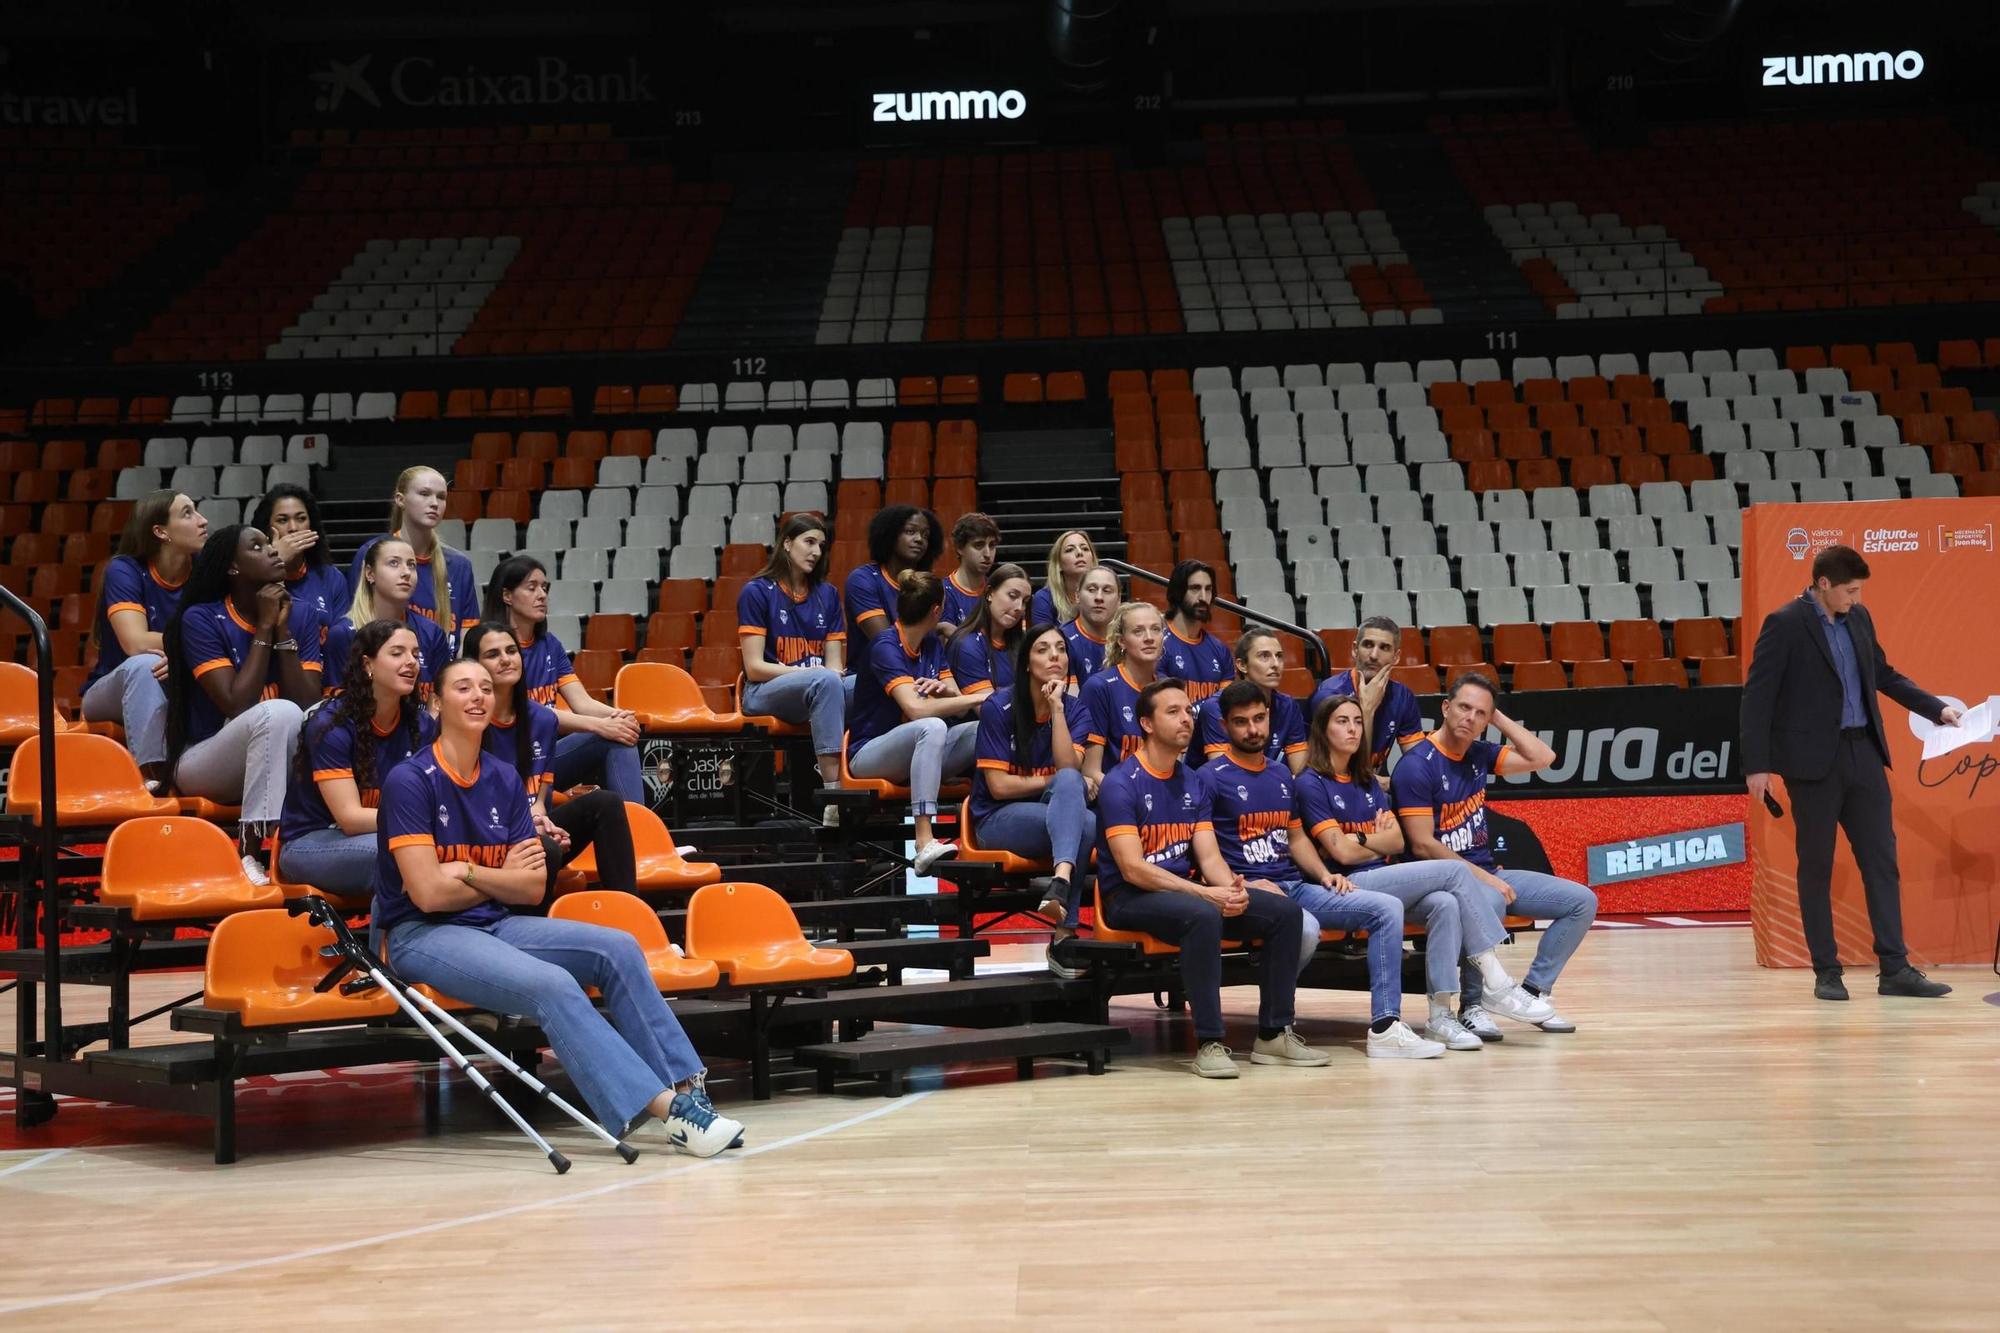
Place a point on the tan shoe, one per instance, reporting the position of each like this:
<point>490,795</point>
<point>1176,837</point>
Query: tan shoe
<point>1287,1049</point>
<point>1212,1061</point>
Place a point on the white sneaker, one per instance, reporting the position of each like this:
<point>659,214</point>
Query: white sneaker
<point>1517,1004</point>
<point>698,1130</point>
<point>1399,1043</point>
<point>1480,1024</point>
<point>1450,1031</point>
<point>1212,1061</point>
<point>253,870</point>
<point>1555,1022</point>
<point>933,852</point>
<point>830,817</point>
<point>1287,1048</point>
<point>1059,969</point>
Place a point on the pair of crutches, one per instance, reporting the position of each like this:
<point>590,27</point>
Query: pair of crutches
<point>350,955</point>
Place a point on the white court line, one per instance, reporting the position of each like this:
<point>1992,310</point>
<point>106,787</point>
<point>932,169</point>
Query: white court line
<point>33,1162</point>
<point>451,1223</point>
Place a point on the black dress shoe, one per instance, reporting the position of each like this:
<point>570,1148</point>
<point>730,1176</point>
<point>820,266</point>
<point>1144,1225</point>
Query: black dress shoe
<point>1829,986</point>
<point>1908,981</point>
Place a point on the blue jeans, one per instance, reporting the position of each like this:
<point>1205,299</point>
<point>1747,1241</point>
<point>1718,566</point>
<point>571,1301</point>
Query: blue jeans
<point>919,754</point>
<point>582,757</point>
<point>130,696</point>
<point>1378,914</point>
<point>1199,927</point>
<point>328,859</point>
<point>815,695</point>
<point>1057,827</point>
<point>538,968</point>
<point>1454,908</point>
<point>1567,906</point>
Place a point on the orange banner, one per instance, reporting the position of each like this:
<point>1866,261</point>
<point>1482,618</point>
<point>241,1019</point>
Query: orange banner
<point>1934,576</point>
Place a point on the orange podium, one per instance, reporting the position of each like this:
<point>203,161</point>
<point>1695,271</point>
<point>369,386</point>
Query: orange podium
<point>1933,586</point>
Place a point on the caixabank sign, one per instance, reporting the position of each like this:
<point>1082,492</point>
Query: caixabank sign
<point>399,86</point>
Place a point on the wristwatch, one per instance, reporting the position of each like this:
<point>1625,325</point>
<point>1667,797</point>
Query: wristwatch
<point>1361,838</point>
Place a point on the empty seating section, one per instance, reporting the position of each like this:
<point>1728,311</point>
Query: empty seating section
<point>1725,217</point>
<point>472,248</point>
<point>77,209</point>
<point>1605,490</point>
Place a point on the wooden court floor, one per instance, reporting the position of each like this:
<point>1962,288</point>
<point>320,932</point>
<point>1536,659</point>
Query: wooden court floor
<point>1712,1150</point>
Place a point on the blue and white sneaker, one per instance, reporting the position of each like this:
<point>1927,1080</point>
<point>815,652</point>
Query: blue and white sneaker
<point>696,1129</point>
<point>698,1089</point>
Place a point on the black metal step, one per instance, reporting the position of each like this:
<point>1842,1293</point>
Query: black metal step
<point>888,1056</point>
<point>91,964</point>
<point>898,953</point>
<point>927,1002</point>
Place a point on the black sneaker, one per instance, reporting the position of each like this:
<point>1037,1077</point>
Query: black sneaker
<point>1906,980</point>
<point>1829,986</point>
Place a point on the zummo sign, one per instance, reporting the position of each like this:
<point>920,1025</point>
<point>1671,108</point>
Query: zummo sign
<point>1009,105</point>
<point>1860,67</point>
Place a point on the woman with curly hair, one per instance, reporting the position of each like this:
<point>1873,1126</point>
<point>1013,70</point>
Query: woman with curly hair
<point>326,837</point>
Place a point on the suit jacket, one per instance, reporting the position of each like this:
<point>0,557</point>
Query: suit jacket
<point>1791,700</point>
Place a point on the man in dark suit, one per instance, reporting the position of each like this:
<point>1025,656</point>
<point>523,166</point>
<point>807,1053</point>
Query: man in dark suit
<point>1810,717</point>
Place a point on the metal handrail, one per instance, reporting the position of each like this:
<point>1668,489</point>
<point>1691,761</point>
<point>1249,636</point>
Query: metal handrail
<point>1315,649</point>
<point>48,926</point>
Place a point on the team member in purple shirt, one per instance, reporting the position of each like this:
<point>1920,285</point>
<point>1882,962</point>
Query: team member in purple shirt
<point>1388,707</point>
<point>976,538</point>
<point>793,638</point>
<point>1088,634</point>
<point>290,516</point>
<point>1260,659</point>
<point>457,855</point>
<point>600,743</point>
<point>243,666</point>
<point>1190,651</point>
<point>388,578</point>
<point>1439,794</point>
<point>1111,697</point>
<point>910,724</point>
<point>981,653</point>
<point>138,591</point>
<point>900,538</point>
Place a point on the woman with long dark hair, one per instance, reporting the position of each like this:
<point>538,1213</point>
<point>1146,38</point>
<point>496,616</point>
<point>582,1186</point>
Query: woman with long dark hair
<point>597,743</point>
<point>447,590</point>
<point>137,593</point>
<point>459,863</point>
<point>981,652</point>
<point>522,733</point>
<point>289,515</point>
<point>349,744</point>
<point>1345,810</point>
<point>794,643</point>
<point>900,538</point>
<point>388,581</point>
<point>908,724</point>
<point>243,665</point>
<point>1028,795</point>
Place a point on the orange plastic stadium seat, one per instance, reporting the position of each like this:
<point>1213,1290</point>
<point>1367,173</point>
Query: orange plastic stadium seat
<point>596,669</point>
<point>1543,675</point>
<point>20,711</point>
<point>671,632</point>
<point>1575,641</point>
<point>1131,455</point>
<point>551,401</point>
<point>1489,474</point>
<point>572,474</point>
<point>97,782</point>
<point>1814,358</point>
<point>1700,636</point>
<point>264,965</point>
<point>465,403</point>
<point>749,932</point>
<point>587,446</point>
<point>612,400</point>
<point>1598,673</point>
<point>1021,387</point>
<point>507,403</point>
<point>492,446</point>
<point>148,408</point>
<point>655,398</point>
<point>539,445</point>
<point>1659,671</point>
<point>1009,863</point>
<point>174,868</point>
<point>1636,640</point>
<point>1063,386</point>
<point>1148,945</point>
<point>1419,679</point>
<point>667,699</point>
<point>418,405</point>
<point>1297,681</point>
<point>612,632</point>
<point>688,595</point>
<point>475,474</point>
<point>1952,354</point>
<point>1532,474</point>
<point>1452,644</point>
<point>956,390</point>
<point>510,504</point>
<point>672,970</point>
<point>1721,671</point>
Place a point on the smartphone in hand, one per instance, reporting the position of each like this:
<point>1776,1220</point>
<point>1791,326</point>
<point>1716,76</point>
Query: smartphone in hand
<point>1771,804</point>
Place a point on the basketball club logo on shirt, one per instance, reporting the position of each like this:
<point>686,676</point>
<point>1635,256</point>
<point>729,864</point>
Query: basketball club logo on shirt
<point>1242,792</point>
<point>493,814</point>
<point>1180,663</point>
<point>1127,712</point>
<point>1147,797</point>
<point>783,616</point>
<point>444,816</point>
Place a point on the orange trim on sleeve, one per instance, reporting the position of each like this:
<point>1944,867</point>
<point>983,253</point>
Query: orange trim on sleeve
<point>1415,810</point>
<point>1299,748</point>
<point>977,687</point>
<point>312,666</point>
<point>1094,739</point>
<point>213,664</point>
<point>994,765</point>
<point>1122,831</point>
<point>570,679</point>
<point>116,607</point>
<point>838,636</point>
<point>332,774</point>
<point>1204,826</point>
<point>412,840</point>
<point>1323,826</point>
<point>751,629</point>
<point>1411,742</point>
<point>889,687</point>
<point>1296,823</point>
<point>1501,757</point>
<point>1212,750</point>
<point>870,615</point>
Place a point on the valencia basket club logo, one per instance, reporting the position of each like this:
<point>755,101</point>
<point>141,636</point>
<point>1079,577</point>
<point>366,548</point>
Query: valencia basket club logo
<point>1797,542</point>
